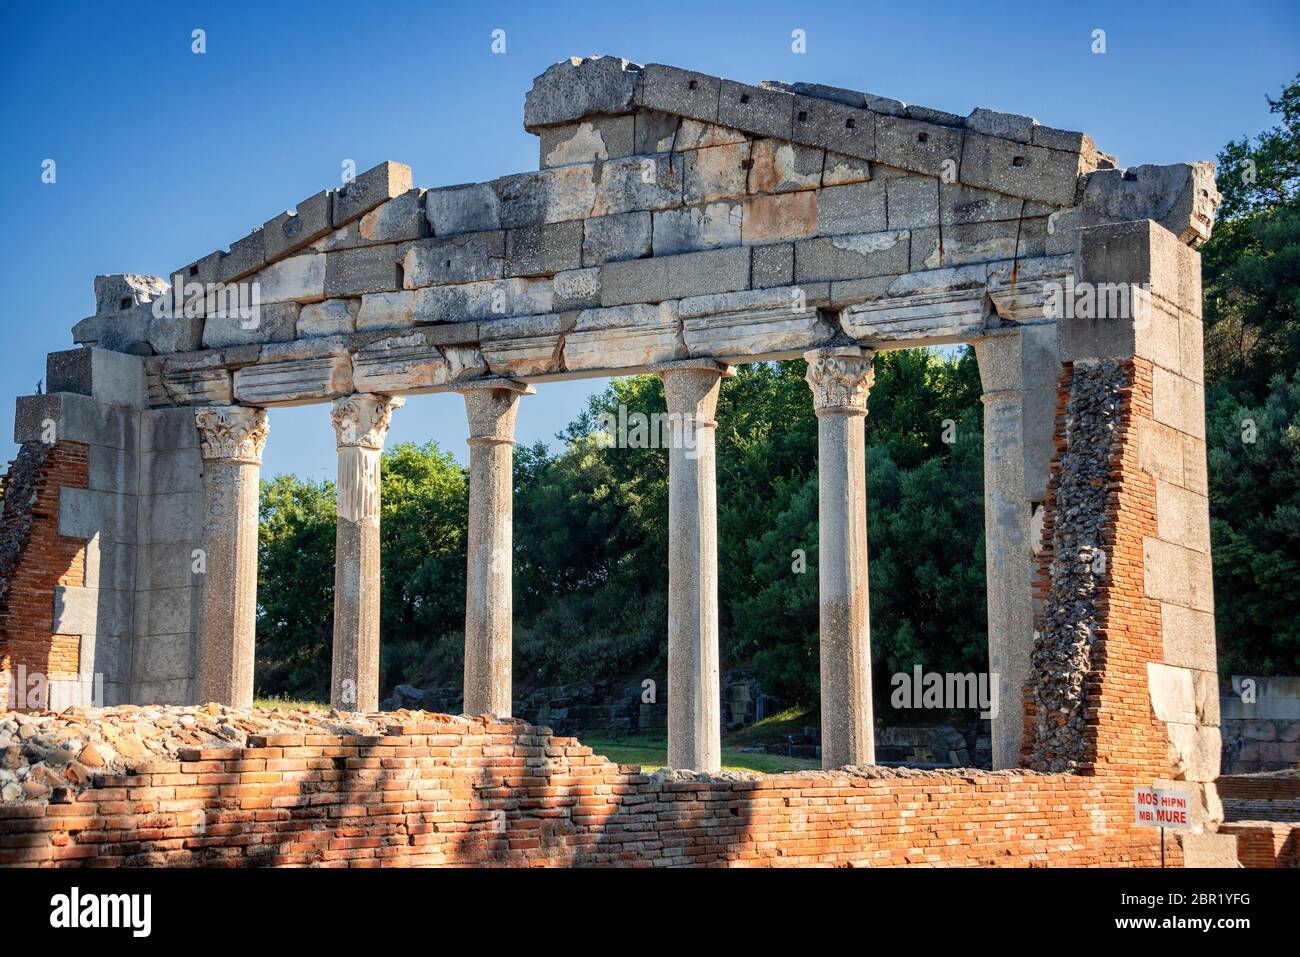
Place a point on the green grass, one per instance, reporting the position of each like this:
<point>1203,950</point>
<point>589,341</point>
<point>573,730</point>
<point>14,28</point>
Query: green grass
<point>774,728</point>
<point>289,704</point>
<point>652,753</point>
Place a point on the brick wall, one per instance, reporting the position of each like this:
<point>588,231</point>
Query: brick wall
<point>448,793</point>
<point>1265,843</point>
<point>47,559</point>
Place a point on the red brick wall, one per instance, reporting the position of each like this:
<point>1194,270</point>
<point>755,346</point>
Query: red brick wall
<point>49,559</point>
<point>1265,843</point>
<point>508,793</point>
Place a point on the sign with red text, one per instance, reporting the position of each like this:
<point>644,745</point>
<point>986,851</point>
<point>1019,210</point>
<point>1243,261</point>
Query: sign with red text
<point>1158,807</point>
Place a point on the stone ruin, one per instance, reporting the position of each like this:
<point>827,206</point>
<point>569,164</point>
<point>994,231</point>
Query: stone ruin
<point>678,224</point>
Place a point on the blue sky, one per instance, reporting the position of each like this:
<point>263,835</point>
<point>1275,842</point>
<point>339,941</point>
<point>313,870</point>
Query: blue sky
<point>164,155</point>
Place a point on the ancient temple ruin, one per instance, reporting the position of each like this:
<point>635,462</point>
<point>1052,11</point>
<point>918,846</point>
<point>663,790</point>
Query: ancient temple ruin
<point>678,224</point>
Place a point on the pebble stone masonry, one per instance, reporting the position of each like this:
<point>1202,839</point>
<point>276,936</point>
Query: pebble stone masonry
<point>679,224</point>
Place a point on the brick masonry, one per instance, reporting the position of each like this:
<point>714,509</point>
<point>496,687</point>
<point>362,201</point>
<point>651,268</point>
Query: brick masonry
<point>509,793</point>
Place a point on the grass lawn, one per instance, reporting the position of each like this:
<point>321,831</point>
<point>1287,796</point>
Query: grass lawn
<point>289,704</point>
<point>651,753</point>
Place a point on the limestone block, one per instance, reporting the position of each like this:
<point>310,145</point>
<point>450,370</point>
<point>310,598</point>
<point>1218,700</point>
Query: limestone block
<point>246,255</point>
<point>683,92</point>
<point>1182,197</point>
<point>466,257</point>
<point>269,322</point>
<point>716,172</point>
<point>112,470</point>
<point>772,265</point>
<point>1183,517</point>
<point>290,231</point>
<point>959,203</point>
<point>398,364</point>
<point>547,196</point>
<point>1194,751</point>
<point>945,314</point>
<point>755,109</point>
<point>471,208</point>
<point>1142,252</point>
<point>170,470</point>
<point>851,256</point>
<point>84,514</point>
<point>1007,126</point>
<point>636,182</point>
<point>352,272</point>
<point>370,189</point>
<point>1177,575</point>
<point>1206,688</point>
<point>169,429</point>
<point>117,292</point>
<point>164,658</point>
<point>1173,696</point>
<point>523,345</point>
<point>596,138</point>
<point>1188,637</point>
<point>544,249</point>
<point>1195,473</point>
<point>778,167</point>
<point>113,378</point>
<point>978,242</point>
<point>126,330</point>
<point>623,337</point>
<point>1209,850</point>
<point>1178,402</point>
<point>779,216</point>
<point>387,310</point>
<point>853,208</point>
<point>673,277</point>
<point>840,170</point>
<point>332,317</point>
<point>616,237</point>
<point>696,227</point>
<point>1160,451</point>
<point>576,289</point>
<point>916,146</point>
<point>198,387</point>
<point>913,202</point>
<point>664,133</point>
<point>482,300</point>
<point>1022,290</point>
<point>296,279</point>
<point>294,373</point>
<point>837,126</point>
<point>580,87</point>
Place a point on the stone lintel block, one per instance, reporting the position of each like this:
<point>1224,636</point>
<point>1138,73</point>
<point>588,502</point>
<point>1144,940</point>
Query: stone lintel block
<point>365,269</point>
<point>779,328</point>
<point>294,373</point>
<point>948,314</point>
<point>682,92</point>
<point>399,364</point>
<point>1020,169</point>
<point>580,87</point>
<point>755,109</point>
<point>290,231</point>
<point>198,387</point>
<point>623,338</point>
<point>376,185</point>
<point>674,277</point>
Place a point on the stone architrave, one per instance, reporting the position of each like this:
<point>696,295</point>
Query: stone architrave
<point>231,439</point>
<point>694,709</point>
<point>840,379</point>
<point>492,406</point>
<point>360,423</point>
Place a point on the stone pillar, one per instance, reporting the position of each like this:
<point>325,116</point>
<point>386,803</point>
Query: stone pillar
<point>1008,550</point>
<point>840,379</point>
<point>694,706</point>
<point>231,439</point>
<point>360,423</point>
<point>491,405</point>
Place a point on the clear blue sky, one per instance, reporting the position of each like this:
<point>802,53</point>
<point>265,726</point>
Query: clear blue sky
<point>164,155</point>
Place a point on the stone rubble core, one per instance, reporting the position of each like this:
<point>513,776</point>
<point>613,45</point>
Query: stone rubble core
<point>678,224</point>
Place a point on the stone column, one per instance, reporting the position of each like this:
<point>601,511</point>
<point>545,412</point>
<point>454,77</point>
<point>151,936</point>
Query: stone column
<point>840,380</point>
<point>1008,550</point>
<point>694,707</point>
<point>491,405</point>
<point>360,423</point>
<point>231,439</point>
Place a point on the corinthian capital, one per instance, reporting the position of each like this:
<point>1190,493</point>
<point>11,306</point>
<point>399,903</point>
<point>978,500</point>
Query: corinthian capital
<point>232,433</point>
<point>362,420</point>
<point>840,379</point>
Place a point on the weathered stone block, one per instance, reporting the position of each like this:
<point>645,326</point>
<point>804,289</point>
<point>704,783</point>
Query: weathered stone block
<point>1178,402</point>
<point>855,208</point>
<point>467,257</point>
<point>768,322</point>
<point>1008,126</point>
<point>596,138</point>
<point>845,129</point>
<point>291,231</point>
<point>352,272</point>
<point>778,167</point>
<point>919,147</point>
<point>663,133</point>
<point>840,170</point>
<point>369,189</point>
<point>544,249</point>
<point>298,278</point>
<point>621,236</point>
<point>579,87</point>
<point>576,289</point>
<point>637,182</point>
<point>677,91</point>
<point>246,255</point>
<point>548,196</point>
<point>913,202</point>
<point>386,310</point>
<point>270,322</point>
<point>1020,169</point>
<point>851,257</point>
<point>470,208</point>
<point>294,373</point>
<point>773,265</point>
<point>482,300</point>
<point>332,317</point>
<point>780,216</point>
<point>1177,575</point>
<point>756,110</point>
<point>696,227</point>
<point>716,172</point>
<point>672,277</point>
<point>623,337</point>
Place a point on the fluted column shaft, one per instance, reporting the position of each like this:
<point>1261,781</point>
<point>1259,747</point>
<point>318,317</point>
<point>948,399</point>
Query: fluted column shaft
<point>231,439</point>
<point>492,406</point>
<point>360,424</point>
<point>694,706</point>
<point>840,380</point>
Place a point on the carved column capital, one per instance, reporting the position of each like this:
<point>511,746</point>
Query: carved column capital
<point>491,405</point>
<point>361,420</point>
<point>840,380</point>
<point>232,433</point>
